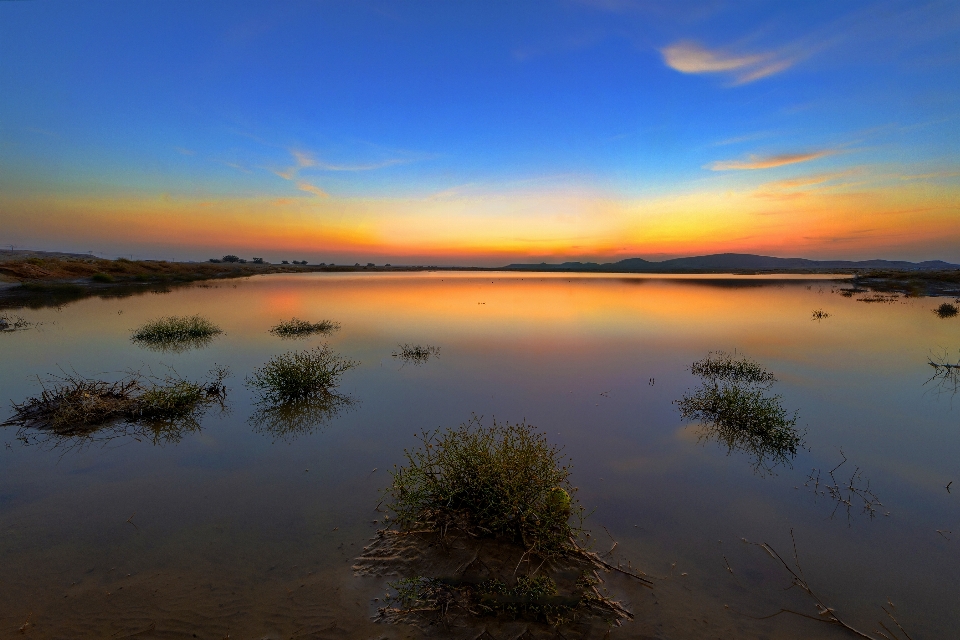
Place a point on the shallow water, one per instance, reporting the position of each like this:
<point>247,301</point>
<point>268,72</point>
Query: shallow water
<point>245,531</point>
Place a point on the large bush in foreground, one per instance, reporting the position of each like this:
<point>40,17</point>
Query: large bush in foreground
<point>498,480</point>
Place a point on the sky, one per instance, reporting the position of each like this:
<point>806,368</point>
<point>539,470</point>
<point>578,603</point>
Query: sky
<point>481,133</point>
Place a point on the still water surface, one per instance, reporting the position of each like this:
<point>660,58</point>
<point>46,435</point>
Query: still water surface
<point>242,530</point>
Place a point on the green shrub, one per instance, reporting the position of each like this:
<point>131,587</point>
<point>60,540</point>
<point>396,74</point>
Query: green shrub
<point>501,480</point>
<point>101,277</point>
<point>299,374</point>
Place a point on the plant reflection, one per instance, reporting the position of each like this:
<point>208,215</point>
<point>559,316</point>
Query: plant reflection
<point>289,420</point>
<point>946,375</point>
<point>734,407</point>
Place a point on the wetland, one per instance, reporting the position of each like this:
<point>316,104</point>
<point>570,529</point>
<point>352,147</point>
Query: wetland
<point>595,455</point>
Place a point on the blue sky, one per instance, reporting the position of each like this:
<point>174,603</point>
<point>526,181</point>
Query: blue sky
<point>357,111</point>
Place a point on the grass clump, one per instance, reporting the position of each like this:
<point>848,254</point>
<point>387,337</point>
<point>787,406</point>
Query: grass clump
<point>820,314</point>
<point>415,353</point>
<point>501,480</point>
<point>946,310</point>
<point>296,328</point>
<point>73,405</point>
<point>176,333</point>
<point>734,407</point>
<point>296,375</point>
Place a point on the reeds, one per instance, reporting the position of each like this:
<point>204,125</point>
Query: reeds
<point>502,480</point>
<point>820,314</point>
<point>296,375</point>
<point>297,328</point>
<point>176,333</point>
<point>734,407</point>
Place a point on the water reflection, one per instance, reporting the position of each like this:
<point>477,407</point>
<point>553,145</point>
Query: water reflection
<point>734,407</point>
<point>290,420</point>
<point>415,354</point>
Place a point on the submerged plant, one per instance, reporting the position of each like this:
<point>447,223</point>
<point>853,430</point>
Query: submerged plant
<point>176,333</point>
<point>946,374</point>
<point>500,480</point>
<point>820,314</point>
<point>734,407</point>
<point>946,310</point>
<point>297,328</point>
<point>415,353</point>
<point>296,375</point>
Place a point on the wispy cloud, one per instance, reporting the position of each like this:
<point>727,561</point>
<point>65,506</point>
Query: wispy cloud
<point>768,162</point>
<point>315,190</point>
<point>687,56</point>
<point>185,151</point>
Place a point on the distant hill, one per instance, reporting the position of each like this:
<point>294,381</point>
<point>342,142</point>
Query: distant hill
<point>730,262</point>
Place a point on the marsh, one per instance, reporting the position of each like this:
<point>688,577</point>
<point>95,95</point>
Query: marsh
<point>250,524</point>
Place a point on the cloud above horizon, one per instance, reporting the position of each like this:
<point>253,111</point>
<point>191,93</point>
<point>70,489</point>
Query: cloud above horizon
<point>687,56</point>
<point>768,162</point>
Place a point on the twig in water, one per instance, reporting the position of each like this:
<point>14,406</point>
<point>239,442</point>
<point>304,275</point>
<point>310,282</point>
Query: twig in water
<point>825,614</point>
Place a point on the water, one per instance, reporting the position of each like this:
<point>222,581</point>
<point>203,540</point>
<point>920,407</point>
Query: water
<point>242,531</point>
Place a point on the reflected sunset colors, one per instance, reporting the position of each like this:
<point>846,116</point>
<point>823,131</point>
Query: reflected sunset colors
<point>596,361</point>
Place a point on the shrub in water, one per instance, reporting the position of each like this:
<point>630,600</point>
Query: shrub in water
<point>299,374</point>
<point>499,480</point>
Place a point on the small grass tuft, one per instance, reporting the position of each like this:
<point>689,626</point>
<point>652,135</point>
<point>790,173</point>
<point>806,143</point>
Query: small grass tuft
<point>720,366</point>
<point>296,328</point>
<point>415,353</point>
<point>820,314</point>
<point>500,480</point>
<point>299,374</point>
<point>946,310</point>
<point>176,333</point>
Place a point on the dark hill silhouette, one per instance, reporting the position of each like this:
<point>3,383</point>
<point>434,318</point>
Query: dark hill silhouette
<point>731,262</point>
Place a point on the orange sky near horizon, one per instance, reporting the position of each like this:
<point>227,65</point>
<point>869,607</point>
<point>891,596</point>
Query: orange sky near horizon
<point>798,217</point>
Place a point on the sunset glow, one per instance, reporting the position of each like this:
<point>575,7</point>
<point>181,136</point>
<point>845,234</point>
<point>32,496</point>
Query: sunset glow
<point>441,134</point>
